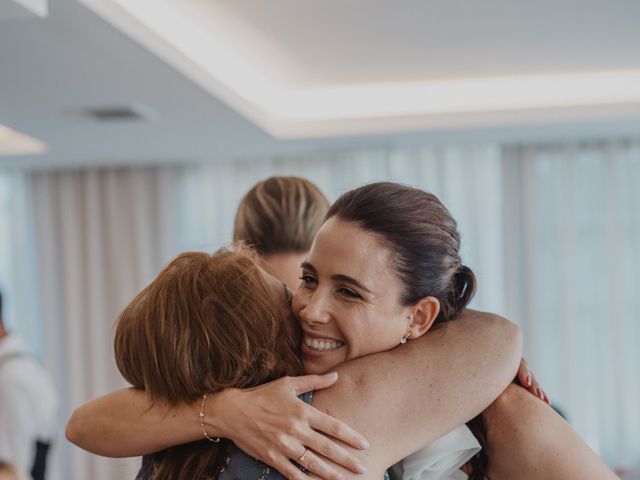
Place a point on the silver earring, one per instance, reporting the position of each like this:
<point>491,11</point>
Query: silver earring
<point>404,339</point>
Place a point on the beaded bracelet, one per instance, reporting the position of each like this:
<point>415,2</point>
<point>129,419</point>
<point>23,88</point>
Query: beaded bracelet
<point>204,432</point>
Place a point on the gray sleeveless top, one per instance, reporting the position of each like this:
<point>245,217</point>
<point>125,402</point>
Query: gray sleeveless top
<point>237,465</point>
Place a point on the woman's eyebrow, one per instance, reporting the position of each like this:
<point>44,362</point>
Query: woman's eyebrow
<point>346,278</point>
<point>307,266</point>
<point>340,277</point>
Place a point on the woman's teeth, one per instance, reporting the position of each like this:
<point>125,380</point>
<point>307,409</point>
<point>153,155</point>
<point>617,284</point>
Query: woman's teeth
<point>321,345</point>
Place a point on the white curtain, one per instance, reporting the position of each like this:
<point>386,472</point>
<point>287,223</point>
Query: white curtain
<point>468,179</point>
<point>101,236</point>
<point>18,265</point>
<point>573,272</point>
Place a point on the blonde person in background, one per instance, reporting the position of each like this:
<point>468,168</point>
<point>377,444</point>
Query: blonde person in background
<point>278,218</point>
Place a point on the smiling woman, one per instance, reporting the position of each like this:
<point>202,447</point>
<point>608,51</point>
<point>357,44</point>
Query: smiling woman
<point>349,301</point>
<point>385,268</point>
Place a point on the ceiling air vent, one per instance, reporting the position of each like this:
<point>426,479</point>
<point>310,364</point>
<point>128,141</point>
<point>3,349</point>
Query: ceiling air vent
<point>121,113</point>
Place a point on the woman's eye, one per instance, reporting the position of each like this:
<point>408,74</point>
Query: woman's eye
<point>307,279</point>
<point>349,293</point>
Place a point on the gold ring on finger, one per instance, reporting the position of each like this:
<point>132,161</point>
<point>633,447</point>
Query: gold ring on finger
<point>301,458</point>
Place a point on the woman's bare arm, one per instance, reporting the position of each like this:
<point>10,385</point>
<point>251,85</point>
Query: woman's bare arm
<point>546,446</point>
<point>404,399</point>
<point>127,423</point>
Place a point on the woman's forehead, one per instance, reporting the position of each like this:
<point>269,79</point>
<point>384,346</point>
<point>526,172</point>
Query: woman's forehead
<point>345,248</point>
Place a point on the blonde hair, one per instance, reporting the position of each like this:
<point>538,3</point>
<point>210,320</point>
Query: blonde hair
<point>280,215</point>
<point>207,322</point>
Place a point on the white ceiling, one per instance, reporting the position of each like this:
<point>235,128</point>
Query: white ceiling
<point>365,41</point>
<point>52,69</point>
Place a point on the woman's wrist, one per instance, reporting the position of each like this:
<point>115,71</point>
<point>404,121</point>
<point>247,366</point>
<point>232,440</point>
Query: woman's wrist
<point>216,411</point>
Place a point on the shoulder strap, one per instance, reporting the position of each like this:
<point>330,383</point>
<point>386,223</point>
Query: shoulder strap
<point>40,460</point>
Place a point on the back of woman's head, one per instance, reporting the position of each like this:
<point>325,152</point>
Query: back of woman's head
<point>280,215</point>
<point>422,236</point>
<point>207,322</point>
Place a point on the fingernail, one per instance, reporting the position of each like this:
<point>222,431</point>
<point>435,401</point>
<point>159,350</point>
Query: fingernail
<point>528,380</point>
<point>361,469</point>
<point>332,374</point>
<point>364,445</point>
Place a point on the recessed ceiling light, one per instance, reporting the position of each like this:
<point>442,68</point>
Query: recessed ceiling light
<point>16,143</point>
<point>121,113</point>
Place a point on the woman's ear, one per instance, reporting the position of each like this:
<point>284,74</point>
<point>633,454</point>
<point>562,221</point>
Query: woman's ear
<point>423,314</point>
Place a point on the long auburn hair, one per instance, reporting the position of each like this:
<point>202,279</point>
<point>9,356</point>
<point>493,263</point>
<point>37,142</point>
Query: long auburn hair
<point>207,322</point>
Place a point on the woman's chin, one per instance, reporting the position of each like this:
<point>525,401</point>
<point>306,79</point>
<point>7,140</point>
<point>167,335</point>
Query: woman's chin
<point>316,363</point>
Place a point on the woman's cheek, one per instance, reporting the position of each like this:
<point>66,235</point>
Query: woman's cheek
<point>298,303</point>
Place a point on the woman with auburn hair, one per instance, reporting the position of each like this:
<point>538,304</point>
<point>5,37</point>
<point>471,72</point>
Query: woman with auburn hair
<point>206,323</point>
<point>383,270</point>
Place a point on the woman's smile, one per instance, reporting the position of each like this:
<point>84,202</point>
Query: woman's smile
<point>314,345</point>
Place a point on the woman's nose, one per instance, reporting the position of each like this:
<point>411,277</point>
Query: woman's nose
<point>315,310</point>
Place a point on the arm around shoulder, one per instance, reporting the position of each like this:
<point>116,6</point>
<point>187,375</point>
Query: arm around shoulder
<point>126,423</point>
<point>404,399</point>
<point>547,446</point>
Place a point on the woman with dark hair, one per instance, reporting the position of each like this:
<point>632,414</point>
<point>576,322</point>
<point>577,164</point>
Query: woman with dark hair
<point>383,270</point>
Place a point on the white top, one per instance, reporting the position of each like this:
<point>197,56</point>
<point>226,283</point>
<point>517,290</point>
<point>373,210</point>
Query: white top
<point>28,404</point>
<point>442,459</point>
